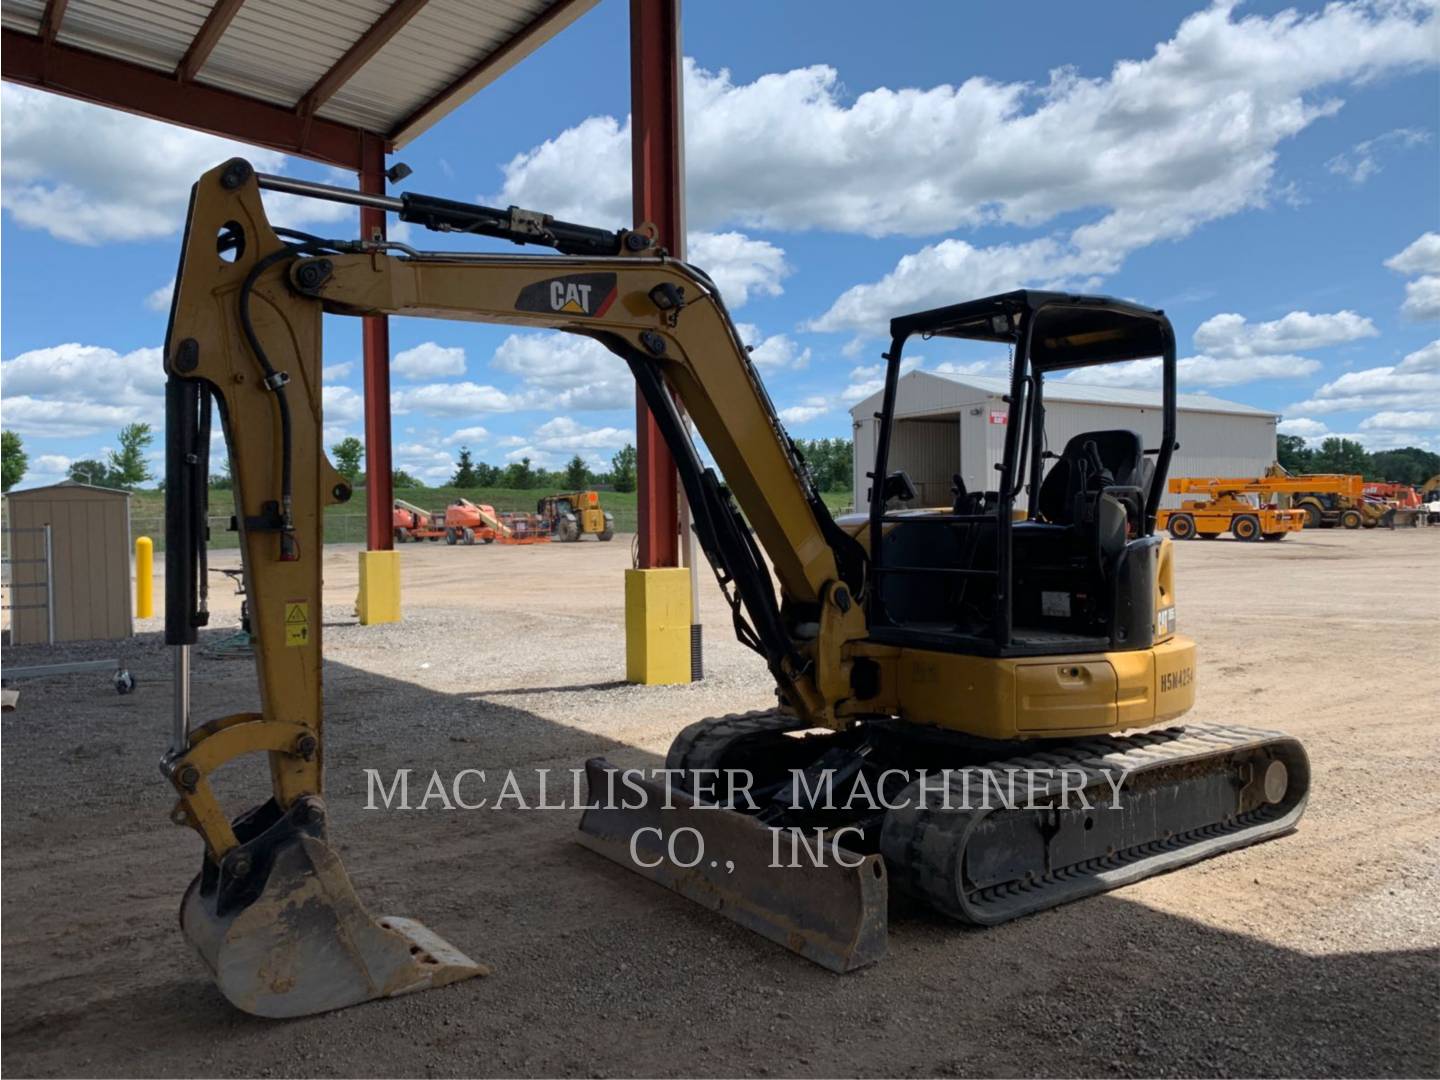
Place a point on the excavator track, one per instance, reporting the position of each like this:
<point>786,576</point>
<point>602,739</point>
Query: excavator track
<point>1187,793</point>
<point>736,741</point>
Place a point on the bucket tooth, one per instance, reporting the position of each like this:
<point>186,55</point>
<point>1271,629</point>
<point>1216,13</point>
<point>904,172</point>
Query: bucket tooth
<point>291,938</point>
<point>833,914</point>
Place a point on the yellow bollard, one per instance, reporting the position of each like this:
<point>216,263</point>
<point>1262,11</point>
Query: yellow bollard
<point>144,577</point>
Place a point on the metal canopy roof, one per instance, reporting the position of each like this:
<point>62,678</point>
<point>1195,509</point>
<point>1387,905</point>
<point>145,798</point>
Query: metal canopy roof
<point>304,76</point>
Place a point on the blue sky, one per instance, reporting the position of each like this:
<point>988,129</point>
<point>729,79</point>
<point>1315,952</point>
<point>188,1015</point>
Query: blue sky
<point>1268,175</point>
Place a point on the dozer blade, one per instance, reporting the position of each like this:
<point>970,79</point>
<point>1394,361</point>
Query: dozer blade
<point>282,931</point>
<point>832,914</point>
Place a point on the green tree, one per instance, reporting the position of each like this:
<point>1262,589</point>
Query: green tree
<point>622,469</point>
<point>831,462</point>
<point>402,479</point>
<point>577,475</point>
<point>1292,454</point>
<point>127,465</point>
<point>13,459</point>
<point>464,471</point>
<point>487,476</point>
<point>1407,465</point>
<point>89,471</point>
<point>1337,455</point>
<point>518,474</point>
<point>347,455</point>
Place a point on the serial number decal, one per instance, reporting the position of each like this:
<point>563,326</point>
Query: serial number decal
<point>573,294</point>
<point>1175,680</point>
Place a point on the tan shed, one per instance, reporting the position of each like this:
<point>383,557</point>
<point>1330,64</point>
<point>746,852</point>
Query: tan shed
<point>89,559</point>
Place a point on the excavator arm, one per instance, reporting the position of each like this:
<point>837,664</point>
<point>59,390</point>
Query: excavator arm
<point>245,338</point>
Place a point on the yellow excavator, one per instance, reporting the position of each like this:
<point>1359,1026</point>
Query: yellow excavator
<point>1016,634</point>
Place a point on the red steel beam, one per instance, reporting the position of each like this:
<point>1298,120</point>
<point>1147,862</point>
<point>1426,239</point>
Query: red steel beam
<point>379,493</point>
<point>78,73</point>
<point>657,179</point>
<point>359,54</point>
<point>51,19</point>
<point>206,38</point>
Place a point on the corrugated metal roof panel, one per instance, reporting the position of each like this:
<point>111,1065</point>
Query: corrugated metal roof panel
<point>1064,390</point>
<point>276,50</point>
<point>442,42</point>
<point>152,33</point>
<point>22,15</point>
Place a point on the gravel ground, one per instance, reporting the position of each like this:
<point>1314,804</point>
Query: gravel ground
<point>1315,955</point>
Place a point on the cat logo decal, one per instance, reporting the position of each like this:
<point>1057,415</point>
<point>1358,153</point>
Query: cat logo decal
<point>573,294</point>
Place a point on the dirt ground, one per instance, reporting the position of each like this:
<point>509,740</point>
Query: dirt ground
<point>1315,954</point>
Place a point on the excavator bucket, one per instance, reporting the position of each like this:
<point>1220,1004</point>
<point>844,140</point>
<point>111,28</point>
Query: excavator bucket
<point>828,906</point>
<point>286,936</point>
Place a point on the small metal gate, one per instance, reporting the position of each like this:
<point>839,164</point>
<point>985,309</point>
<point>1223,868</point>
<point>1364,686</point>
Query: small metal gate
<point>29,584</point>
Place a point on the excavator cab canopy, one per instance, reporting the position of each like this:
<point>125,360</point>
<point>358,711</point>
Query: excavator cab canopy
<point>1074,573</point>
<point>1070,331</point>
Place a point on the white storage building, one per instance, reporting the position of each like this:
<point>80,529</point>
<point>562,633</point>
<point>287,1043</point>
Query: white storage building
<point>947,424</point>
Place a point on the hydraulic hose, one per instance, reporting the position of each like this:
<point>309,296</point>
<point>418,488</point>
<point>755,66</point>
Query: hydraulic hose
<point>275,381</point>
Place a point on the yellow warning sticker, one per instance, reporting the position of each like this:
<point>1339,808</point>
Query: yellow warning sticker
<point>297,622</point>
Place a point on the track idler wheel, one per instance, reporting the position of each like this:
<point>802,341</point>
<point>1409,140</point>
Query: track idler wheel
<point>283,933</point>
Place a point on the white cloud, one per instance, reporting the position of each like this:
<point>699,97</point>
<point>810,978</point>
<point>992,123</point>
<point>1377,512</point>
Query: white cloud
<point>565,434</point>
<point>424,461</point>
<point>159,300</point>
<point>468,435</point>
<point>558,372</point>
<point>1198,372</point>
<point>564,372</point>
<point>869,379</point>
<point>1415,379</point>
<point>450,399</point>
<point>341,405</point>
<point>429,361</point>
<point>1180,134</point>
<point>1155,147</point>
<point>974,367</point>
<point>46,469</point>
<point>49,419</point>
<point>774,353</point>
<point>1362,160</point>
<point>739,265</point>
<point>74,390</point>
<point>1422,298</point>
<point>1389,438</point>
<point>953,270</point>
<point>336,372</point>
<point>1421,257</point>
<point>1303,426</point>
<point>90,175</point>
<point>1408,420</point>
<point>1229,335</point>
<point>807,410</point>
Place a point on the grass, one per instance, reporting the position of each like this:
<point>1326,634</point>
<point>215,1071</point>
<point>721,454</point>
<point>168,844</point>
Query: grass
<point>346,524</point>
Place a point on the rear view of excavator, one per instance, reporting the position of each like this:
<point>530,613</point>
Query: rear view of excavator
<point>971,701</point>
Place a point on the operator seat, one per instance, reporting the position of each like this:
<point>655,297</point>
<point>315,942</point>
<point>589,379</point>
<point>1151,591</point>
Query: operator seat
<point>1096,489</point>
<point>1091,461</point>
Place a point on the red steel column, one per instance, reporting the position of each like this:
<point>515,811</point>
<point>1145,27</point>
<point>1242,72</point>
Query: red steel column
<point>379,534</point>
<point>657,172</point>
